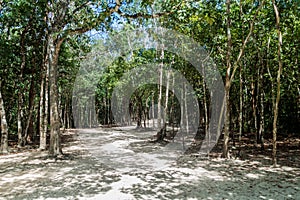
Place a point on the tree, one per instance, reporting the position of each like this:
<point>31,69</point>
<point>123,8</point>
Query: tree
<point>278,82</point>
<point>4,128</point>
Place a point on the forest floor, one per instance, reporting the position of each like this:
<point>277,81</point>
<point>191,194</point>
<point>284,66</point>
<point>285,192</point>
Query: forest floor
<point>121,163</point>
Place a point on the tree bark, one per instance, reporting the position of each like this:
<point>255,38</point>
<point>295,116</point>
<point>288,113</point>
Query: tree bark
<point>28,137</point>
<point>206,120</point>
<point>260,101</point>
<point>21,140</point>
<point>54,48</point>
<point>274,160</point>
<point>186,109</point>
<point>4,126</point>
<point>44,98</point>
<point>167,97</point>
<point>42,115</point>
<point>227,83</point>
<point>254,108</point>
<point>229,75</point>
<point>160,90</point>
<point>153,110</point>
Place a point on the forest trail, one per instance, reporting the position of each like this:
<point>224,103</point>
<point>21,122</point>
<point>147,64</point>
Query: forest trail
<point>119,163</point>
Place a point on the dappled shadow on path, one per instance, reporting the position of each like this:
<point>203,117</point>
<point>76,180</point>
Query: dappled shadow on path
<point>81,175</point>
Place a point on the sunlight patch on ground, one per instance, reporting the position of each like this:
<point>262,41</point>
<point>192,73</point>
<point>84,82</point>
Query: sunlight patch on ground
<point>115,193</point>
<point>119,164</point>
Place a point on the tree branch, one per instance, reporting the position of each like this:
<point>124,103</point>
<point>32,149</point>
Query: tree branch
<point>245,42</point>
<point>116,9</point>
<point>81,7</point>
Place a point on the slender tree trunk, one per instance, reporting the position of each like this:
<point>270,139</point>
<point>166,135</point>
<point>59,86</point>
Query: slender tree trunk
<point>42,114</point>
<point>241,84</point>
<point>254,108</point>
<point>241,106</point>
<point>260,101</point>
<point>153,110</point>
<point>186,109</point>
<point>139,111</point>
<point>206,122</point>
<point>46,107</point>
<point>227,84</point>
<point>262,119</point>
<point>21,140</point>
<point>4,126</point>
<point>173,106</point>
<point>160,90</point>
<point>19,119</point>
<point>278,83</point>
<point>28,137</point>
<point>229,75</point>
<point>182,119</point>
<point>167,97</point>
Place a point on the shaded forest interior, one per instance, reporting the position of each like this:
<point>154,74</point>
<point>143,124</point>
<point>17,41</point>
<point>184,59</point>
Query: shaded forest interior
<point>255,47</point>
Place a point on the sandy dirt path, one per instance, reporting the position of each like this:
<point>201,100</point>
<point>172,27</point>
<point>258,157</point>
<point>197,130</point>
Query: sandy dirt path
<point>120,163</point>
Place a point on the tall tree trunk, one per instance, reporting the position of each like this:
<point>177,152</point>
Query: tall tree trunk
<point>262,119</point>
<point>229,75</point>
<point>260,101</point>
<point>227,84</point>
<point>167,97</point>
<point>241,105</point>
<point>4,126</point>
<point>182,119</point>
<point>43,111</point>
<point>21,140</point>
<point>44,94</point>
<point>240,119</point>
<point>46,106</point>
<point>172,111</point>
<point>55,146</point>
<point>206,122</point>
<point>153,110</point>
<point>160,90</point>
<point>19,120</point>
<point>186,109</point>
<point>28,137</point>
<point>254,108</point>
<point>278,83</point>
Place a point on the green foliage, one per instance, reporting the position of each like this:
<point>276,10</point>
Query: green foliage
<point>202,20</point>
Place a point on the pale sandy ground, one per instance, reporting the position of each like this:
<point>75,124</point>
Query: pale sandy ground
<point>119,163</point>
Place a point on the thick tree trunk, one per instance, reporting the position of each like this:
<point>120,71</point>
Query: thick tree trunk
<point>4,126</point>
<point>55,146</point>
